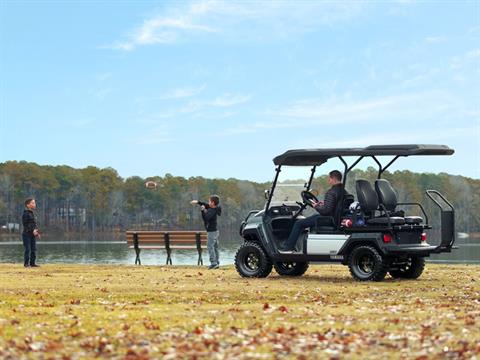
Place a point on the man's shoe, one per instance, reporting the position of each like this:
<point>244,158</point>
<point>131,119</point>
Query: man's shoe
<point>211,267</point>
<point>34,265</point>
<point>26,265</point>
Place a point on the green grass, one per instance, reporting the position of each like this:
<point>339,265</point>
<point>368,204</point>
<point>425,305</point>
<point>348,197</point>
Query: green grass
<point>82,311</point>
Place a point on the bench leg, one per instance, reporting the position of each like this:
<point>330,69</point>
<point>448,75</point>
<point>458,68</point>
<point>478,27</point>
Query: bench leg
<point>137,258</point>
<point>200,260</point>
<point>169,258</point>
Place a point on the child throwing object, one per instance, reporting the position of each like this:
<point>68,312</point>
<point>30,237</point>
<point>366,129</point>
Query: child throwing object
<point>210,212</point>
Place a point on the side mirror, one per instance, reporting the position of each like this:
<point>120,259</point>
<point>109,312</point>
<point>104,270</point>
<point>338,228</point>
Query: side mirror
<point>267,194</point>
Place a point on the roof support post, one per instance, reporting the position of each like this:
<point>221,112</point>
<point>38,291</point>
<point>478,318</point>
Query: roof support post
<point>390,163</point>
<point>344,171</point>
<point>311,177</point>
<point>272,189</point>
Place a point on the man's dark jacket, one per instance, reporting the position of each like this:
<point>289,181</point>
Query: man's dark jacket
<point>332,196</point>
<point>210,216</point>
<point>29,222</point>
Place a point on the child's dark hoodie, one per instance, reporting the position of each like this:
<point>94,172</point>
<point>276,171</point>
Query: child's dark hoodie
<point>210,216</point>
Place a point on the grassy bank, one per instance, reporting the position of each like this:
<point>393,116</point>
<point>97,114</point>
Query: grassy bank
<point>80,311</point>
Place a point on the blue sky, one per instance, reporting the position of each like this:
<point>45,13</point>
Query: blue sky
<point>217,89</point>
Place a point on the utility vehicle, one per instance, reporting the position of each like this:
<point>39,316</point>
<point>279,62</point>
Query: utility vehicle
<point>379,238</point>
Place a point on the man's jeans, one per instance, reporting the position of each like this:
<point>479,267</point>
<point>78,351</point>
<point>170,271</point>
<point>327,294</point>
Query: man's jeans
<point>30,246</point>
<point>212,245</point>
<point>298,227</point>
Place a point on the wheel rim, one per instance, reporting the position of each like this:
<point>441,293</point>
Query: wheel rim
<point>365,264</point>
<point>287,265</point>
<point>252,261</point>
<point>405,267</point>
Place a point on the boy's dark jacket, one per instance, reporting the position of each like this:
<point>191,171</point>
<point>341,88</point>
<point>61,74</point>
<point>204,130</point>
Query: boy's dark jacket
<point>210,216</point>
<point>29,222</point>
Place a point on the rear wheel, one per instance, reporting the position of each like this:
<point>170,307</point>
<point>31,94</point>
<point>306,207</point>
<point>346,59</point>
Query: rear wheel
<point>291,268</point>
<point>411,268</point>
<point>251,261</point>
<point>365,264</point>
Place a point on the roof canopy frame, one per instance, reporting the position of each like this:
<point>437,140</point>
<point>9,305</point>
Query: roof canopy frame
<point>311,157</point>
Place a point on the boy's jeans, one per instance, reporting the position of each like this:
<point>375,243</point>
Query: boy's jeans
<point>212,245</point>
<point>30,249</point>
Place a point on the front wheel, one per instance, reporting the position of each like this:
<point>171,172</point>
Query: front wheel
<point>251,261</point>
<point>412,268</point>
<point>366,264</point>
<point>291,268</point>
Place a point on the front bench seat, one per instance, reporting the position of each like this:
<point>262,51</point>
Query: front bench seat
<point>368,199</point>
<point>330,223</point>
<point>388,197</point>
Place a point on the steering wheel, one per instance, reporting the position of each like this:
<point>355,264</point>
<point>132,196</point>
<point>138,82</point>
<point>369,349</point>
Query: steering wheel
<point>308,198</point>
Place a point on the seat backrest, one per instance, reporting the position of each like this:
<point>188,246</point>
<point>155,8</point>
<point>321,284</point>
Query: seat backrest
<point>386,194</point>
<point>343,202</point>
<point>367,197</point>
<point>348,199</point>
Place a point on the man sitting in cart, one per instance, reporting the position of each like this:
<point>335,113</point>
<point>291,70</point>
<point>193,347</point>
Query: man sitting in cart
<point>326,209</point>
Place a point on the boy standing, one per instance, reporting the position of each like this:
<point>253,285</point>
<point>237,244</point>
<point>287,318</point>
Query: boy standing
<point>210,212</point>
<point>30,233</point>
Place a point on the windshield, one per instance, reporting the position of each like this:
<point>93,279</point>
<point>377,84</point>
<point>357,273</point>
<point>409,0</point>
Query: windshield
<point>287,192</point>
<point>292,180</point>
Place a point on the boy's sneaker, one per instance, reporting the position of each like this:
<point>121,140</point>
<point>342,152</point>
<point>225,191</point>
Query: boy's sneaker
<point>211,267</point>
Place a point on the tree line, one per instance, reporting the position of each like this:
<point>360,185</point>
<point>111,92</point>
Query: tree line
<point>93,199</point>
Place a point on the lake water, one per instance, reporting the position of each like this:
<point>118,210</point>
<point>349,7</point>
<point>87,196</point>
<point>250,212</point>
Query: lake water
<point>115,251</point>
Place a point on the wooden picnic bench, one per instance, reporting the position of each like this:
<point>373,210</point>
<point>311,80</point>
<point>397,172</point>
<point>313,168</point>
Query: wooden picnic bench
<point>168,241</point>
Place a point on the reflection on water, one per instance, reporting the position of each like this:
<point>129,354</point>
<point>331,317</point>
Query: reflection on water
<point>113,251</point>
<point>466,253</point>
<point>105,253</point>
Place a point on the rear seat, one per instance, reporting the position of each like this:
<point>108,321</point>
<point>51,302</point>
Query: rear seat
<point>388,197</point>
<point>369,203</point>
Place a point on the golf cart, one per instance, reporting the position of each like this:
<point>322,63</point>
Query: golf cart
<point>372,236</point>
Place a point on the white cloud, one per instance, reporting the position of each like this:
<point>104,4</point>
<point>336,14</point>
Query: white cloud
<point>405,110</point>
<point>435,39</point>
<point>183,92</point>
<point>402,136</point>
<point>104,76</point>
<point>153,136</point>
<point>81,123</point>
<point>474,31</point>
<point>421,78</point>
<point>272,18</point>
<point>223,101</point>
<point>101,94</point>
<point>166,30</point>
<point>228,100</point>
<point>470,57</point>
<point>194,108</point>
<point>175,94</point>
<point>473,55</point>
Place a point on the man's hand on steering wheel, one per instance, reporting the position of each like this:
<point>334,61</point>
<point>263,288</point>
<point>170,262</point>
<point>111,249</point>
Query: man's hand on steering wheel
<point>309,199</point>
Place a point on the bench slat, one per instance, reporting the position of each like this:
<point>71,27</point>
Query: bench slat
<point>163,247</point>
<point>142,232</point>
<point>171,240</point>
<point>140,237</point>
<point>161,239</point>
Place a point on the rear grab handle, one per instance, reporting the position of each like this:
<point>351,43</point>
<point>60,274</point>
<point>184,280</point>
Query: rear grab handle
<point>447,221</point>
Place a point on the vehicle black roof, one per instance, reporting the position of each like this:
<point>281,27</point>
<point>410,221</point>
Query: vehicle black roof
<point>310,157</point>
